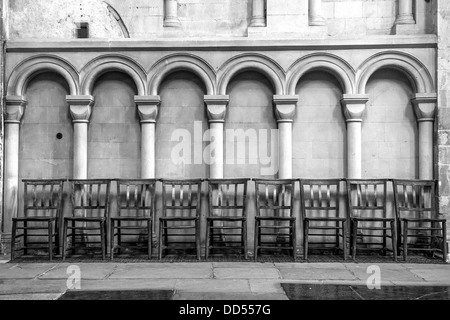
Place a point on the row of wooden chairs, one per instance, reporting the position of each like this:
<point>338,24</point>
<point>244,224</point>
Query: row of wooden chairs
<point>366,219</point>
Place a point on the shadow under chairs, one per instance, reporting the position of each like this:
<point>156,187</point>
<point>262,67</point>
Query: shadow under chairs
<point>226,223</point>
<point>181,215</point>
<point>275,220</point>
<point>132,226</point>
<point>42,213</point>
<point>322,218</point>
<point>368,216</point>
<point>90,210</point>
<point>419,226</point>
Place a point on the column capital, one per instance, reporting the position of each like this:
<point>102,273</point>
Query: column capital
<point>15,107</point>
<point>354,106</point>
<point>425,106</point>
<point>147,108</point>
<point>80,108</point>
<point>216,107</point>
<point>285,106</point>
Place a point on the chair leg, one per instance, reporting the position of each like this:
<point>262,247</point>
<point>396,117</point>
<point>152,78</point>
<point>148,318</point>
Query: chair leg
<point>103,240</point>
<point>394,240</point>
<point>111,240</point>
<point>50,240</point>
<point>160,240</point>
<point>64,239</point>
<point>305,239</point>
<point>13,239</point>
<point>73,237</point>
<point>244,236</point>
<point>405,240</point>
<point>25,238</point>
<point>119,237</point>
<point>150,236</point>
<point>197,238</point>
<point>207,239</point>
<point>294,240</point>
<point>444,242</point>
<point>355,236</point>
<point>256,241</point>
<point>57,234</point>
<point>384,239</point>
<point>344,239</point>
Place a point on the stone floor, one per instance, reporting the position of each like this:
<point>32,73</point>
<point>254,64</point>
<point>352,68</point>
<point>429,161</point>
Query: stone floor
<point>209,280</point>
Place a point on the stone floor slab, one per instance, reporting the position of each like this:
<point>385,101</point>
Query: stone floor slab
<point>242,265</point>
<point>31,296</point>
<point>388,272</point>
<point>128,284</point>
<point>212,285</point>
<point>317,273</point>
<point>24,271</point>
<point>265,286</point>
<point>246,273</point>
<point>87,271</point>
<point>228,296</point>
<point>26,286</point>
<point>173,271</point>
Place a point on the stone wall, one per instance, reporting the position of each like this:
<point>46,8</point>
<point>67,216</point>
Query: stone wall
<point>144,19</point>
<point>443,88</point>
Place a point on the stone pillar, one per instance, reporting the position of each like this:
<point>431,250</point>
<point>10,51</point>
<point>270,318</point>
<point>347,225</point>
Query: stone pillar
<point>80,109</point>
<point>216,107</point>
<point>14,110</point>
<point>258,13</point>
<point>354,106</point>
<point>148,112</point>
<point>315,13</point>
<point>285,107</point>
<point>171,13</point>
<point>405,12</point>
<point>425,109</point>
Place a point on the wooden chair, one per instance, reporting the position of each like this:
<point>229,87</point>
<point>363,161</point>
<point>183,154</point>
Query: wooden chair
<point>227,214</point>
<point>321,213</point>
<point>181,211</point>
<point>368,216</point>
<point>275,220</point>
<point>42,211</point>
<point>135,211</point>
<point>418,217</point>
<point>90,213</point>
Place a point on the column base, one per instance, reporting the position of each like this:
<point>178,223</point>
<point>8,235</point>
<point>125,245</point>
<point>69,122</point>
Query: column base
<point>258,22</point>
<point>172,23</point>
<point>405,29</point>
<point>318,21</point>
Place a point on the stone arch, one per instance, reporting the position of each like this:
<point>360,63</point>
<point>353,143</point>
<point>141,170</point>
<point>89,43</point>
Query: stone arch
<point>326,62</point>
<point>182,62</point>
<point>29,68</point>
<point>106,63</point>
<point>252,62</point>
<point>414,70</point>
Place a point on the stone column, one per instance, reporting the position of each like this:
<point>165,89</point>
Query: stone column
<point>14,110</point>
<point>148,112</point>
<point>285,106</point>
<point>405,12</point>
<point>258,13</point>
<point>80,109</point>
<point>315,13</point>
<point>425,109</point>
<point>216,107</point>
<point>171,13</point>
<point>354,106</point>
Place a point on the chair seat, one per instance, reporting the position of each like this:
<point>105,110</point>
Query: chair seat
<point>326,219</point>
<point>177,218</point>
<point>131,219</point>
<point>225,218</point>
<point>34,219</point>
<point>86,219</point>
<point>423,220</point>
<point>373,219</point>
<point>275,218</point>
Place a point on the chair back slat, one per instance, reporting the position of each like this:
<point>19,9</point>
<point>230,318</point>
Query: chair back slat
<point>43,197</point>
<point>274,198</point>
<point>320,197</point>
<point>367,198</point>
<point>175,194</point>
<point>90,197</point>
<point>415,198</point>
<point>136,198</point>
<point>227,197</point>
